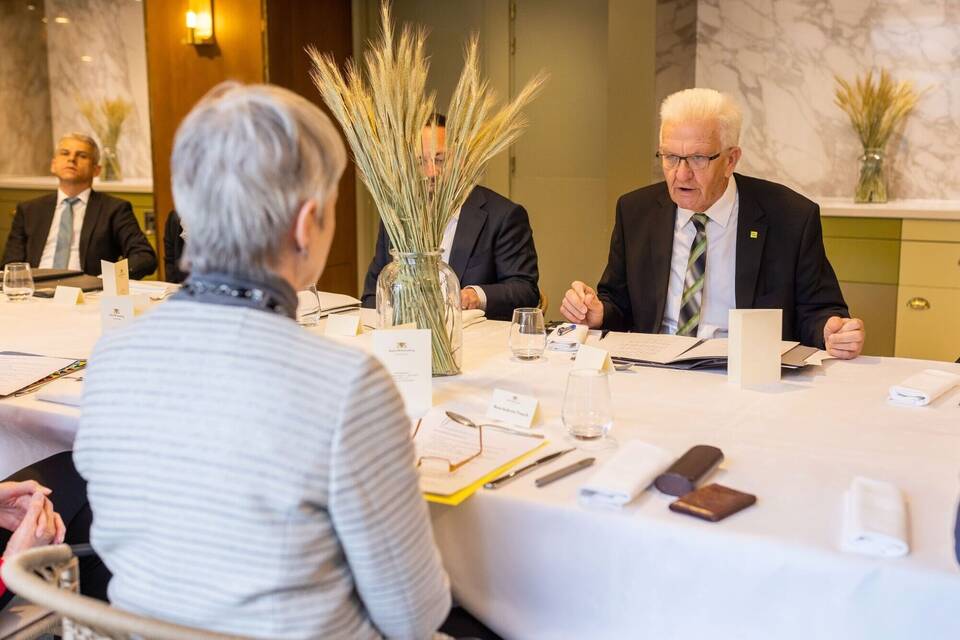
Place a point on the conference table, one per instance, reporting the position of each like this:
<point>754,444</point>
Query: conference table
<point>535,563</point>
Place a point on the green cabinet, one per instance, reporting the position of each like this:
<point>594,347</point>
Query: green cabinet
<point>865,253</point>
<point>902,276</point>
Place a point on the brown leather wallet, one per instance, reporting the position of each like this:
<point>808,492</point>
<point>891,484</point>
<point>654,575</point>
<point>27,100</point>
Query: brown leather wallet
<point>713,502</point>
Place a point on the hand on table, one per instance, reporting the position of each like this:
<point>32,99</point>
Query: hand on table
<point>843,337</point>
<point>40,526</point>
<point>582,306</point>
<point>469,299</point>
<point>15,499</point>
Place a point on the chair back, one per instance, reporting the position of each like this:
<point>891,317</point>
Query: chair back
<point>49,577</point>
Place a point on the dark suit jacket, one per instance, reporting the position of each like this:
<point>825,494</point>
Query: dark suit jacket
<point>784,267</point>
<point>110,232</point>
<point>956,536</point>
<point>173,249</point>
<point>492,248</point>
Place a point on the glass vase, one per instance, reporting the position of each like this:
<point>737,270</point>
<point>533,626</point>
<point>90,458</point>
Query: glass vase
<point>421,288</point>
<point>111,165</point>
<point>872,185</point>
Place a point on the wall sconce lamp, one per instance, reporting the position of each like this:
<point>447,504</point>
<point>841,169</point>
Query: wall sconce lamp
<point>200,23</point>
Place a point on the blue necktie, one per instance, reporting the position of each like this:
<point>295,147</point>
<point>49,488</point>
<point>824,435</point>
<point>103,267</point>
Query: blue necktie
<point>61,258</point>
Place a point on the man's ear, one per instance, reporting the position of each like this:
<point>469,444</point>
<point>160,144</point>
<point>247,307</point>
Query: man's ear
<point>97,170</point>
<point>303,225</point>
<point>734,158</point>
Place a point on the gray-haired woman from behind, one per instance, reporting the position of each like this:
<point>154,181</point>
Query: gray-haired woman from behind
<point>246,476</point>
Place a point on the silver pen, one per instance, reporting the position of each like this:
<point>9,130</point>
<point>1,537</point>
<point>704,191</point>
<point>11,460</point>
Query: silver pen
<point>493,484</point>
<point>563,473</point>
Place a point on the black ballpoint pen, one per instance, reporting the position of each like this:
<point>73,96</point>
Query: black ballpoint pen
<point>493,484</point>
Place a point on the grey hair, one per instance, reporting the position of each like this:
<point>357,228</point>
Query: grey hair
<point>695,105</point>
<point>245,159</point>
<point>82,137</point>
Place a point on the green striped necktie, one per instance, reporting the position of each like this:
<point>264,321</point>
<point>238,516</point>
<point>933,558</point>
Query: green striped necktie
<point>690,303</point>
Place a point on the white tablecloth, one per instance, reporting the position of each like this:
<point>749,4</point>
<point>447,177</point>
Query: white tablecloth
<point>532,563</point>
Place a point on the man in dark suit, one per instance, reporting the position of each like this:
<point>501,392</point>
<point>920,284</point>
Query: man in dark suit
<point>686,251</point>
<point>488,244</point>
<point>76,227</point>
<point>173,243</point>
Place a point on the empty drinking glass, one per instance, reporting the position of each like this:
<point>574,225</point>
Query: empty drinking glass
<point>18,281</point>
<point>587,412</point>
<point>308,307</point>
<point>528,336</point>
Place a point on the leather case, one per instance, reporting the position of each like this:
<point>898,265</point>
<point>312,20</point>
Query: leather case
<point>684,474</point>
<point>713,502</point>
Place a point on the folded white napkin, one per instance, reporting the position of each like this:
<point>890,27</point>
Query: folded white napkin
<point>567,337</point>
<point>875,519</point>
<point>62,391</point>
<point>624,476</point>
<point>471,317</point>
<point>923,388</point>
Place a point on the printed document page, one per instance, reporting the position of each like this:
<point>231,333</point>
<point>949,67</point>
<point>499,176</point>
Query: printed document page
<point>440,439</point>
<point>18,370</point>
<point>660,348</point>
<point>717,348</point>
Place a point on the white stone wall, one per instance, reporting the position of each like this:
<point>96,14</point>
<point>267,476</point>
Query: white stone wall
<point>778,58</point>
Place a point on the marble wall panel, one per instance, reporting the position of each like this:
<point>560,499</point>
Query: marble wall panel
<point>779,58</point>
<point>96,51</point>
<point>24,91</point>
<point>676,53</point>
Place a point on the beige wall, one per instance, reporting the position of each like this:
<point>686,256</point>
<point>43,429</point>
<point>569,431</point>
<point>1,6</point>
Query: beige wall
<point>589,139</point>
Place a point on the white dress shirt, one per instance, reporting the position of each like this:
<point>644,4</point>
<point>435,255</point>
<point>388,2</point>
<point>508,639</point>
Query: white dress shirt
<point>50,248</point>
<point>719,287</point>
<point>446,244</point>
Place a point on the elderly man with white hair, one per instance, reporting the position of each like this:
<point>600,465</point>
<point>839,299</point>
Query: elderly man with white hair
<point>686,251</point>
<point>245,475</point>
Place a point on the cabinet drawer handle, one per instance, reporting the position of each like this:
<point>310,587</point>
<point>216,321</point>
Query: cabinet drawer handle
<point>918,304</point>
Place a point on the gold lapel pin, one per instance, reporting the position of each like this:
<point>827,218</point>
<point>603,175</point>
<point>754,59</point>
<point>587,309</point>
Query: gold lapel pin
<point>754,234</point>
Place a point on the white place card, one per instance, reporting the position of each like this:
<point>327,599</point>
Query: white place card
<point>116,311</point>
<point>512,408</point>
<point>116,277</point>
<point>68,296</point>
<point>754,346</point>
<point>406,355</point>
<point>593,358</point>
<point>339,324</point>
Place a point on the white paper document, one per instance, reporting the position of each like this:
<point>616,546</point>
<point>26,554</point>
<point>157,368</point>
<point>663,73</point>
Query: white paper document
<point>441,442</point>
<point>718,348</point>
<point>660,348</point>
<point>67,390</point>
<point>18,371</point>
<point>406,354</point>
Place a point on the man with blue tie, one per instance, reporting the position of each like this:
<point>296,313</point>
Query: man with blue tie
<point>76,227</point>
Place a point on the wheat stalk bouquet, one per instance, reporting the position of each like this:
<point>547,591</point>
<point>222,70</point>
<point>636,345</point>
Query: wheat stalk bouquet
<point>106,118</point>
<point>876,109</point>
<point>382,114</point>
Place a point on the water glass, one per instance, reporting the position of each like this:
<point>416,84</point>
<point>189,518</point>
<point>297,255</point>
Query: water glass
<point>587,411</point>
<point>528,335</point>
<point>308,307</point>
<point>17,281</point>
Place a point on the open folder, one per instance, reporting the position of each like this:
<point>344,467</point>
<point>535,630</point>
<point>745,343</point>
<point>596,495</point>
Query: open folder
<point>441,443</point>
<point>22,373</point>
<point>685,352</point>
